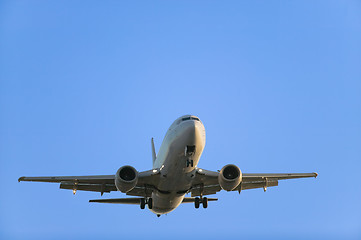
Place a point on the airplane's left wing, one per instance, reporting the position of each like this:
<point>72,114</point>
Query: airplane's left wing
<point>206,182</point>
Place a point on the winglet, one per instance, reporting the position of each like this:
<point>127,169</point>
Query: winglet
<point>21,179</point>
<point>316,174</point>
<point>154,155</point>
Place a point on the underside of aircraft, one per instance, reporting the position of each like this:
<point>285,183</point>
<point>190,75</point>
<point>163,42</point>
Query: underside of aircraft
<point>174,174</point>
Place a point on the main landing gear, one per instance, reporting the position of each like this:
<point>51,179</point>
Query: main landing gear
<point>144,201</point>
<point>203,201</point>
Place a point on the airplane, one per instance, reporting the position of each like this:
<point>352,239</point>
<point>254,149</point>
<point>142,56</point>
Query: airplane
<point>174,174</point>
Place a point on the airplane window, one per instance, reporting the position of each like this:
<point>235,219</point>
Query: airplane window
<point>189,118</point>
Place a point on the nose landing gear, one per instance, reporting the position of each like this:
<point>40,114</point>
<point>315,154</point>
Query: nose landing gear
<point>189,150</point>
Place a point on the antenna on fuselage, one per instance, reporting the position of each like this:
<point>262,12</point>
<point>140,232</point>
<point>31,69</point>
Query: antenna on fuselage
<point>154,155</point>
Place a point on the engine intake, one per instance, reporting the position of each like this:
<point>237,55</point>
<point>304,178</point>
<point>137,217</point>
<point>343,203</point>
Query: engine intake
<point>229,177</point>
<point>126,178</point>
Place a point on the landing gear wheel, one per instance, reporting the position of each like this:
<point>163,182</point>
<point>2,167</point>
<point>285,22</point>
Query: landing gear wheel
<point>196,202</point>
<point>142,203</point>
<point>205,202</point>
<point>150,203</point>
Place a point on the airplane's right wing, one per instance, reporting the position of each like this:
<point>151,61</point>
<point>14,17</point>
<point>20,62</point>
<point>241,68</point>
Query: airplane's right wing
<point>206,182</point>
<point>94,183</point>
<point>100,183</point>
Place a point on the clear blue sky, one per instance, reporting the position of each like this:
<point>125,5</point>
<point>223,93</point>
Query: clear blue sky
<point>86,84</point>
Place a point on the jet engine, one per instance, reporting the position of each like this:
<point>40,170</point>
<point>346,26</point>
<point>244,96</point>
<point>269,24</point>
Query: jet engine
<point>126,178</point>
<point>229,177</point>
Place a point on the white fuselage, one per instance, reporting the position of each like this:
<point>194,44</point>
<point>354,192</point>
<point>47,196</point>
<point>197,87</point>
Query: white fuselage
<point>177,160</point>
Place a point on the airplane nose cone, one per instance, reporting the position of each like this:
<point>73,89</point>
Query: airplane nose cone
<point>190,127</point>
<point>195,132</point>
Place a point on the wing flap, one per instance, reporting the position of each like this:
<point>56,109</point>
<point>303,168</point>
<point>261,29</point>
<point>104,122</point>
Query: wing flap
<point>205,190</point>
<point>88,187</point>
<point>257,184</point>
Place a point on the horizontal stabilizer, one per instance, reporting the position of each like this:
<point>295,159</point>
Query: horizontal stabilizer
<point>191,200</point>
<point>118,200</point>
<point>137,200</point>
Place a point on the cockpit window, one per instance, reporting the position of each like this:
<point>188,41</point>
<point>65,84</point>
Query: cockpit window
<point>190,118</point>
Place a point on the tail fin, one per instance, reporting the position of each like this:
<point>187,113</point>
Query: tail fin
<point>154,155</point>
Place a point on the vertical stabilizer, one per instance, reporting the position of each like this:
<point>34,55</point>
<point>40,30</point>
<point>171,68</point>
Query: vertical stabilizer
<point>154,155</point>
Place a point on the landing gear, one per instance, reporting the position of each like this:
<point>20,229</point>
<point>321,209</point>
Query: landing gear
<point>205,202</point>
<point>142,203</point>
<point>150,203</point>
<point>198,201</point>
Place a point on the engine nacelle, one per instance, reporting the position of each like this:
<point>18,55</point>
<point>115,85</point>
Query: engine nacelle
<point>126,178</point>
<point>229,177</point>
